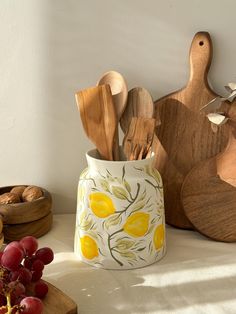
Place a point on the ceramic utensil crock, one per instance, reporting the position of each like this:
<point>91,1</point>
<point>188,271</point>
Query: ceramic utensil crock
<point>120,222</point>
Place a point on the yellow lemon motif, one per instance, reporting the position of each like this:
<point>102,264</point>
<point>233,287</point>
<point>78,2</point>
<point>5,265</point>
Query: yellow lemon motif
<point>159,236</point>
<point>101,204</point>
<point>137,224</point>
<point>89,247</point>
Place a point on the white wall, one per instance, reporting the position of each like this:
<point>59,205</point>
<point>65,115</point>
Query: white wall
<point>51,48</point>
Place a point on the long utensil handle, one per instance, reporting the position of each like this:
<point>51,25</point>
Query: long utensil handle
<point>115,148</point>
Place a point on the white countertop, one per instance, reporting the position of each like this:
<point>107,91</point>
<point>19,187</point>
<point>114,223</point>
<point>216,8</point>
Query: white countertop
<point>197,275</point>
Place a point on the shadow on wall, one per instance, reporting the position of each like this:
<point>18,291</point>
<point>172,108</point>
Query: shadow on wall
<point>82,41</point>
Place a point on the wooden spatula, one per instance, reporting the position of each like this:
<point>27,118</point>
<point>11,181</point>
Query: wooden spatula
<point>185,134</point>
<point>209,191</point>
<point>98,117</point>
<point>139,138</point>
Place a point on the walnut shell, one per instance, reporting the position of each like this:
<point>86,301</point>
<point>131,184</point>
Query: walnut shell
<point>18,190</point>
<point>31,193</point>
<point>9,198</point>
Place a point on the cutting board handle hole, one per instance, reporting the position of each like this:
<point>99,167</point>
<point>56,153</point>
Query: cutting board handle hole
<point>201,43</point>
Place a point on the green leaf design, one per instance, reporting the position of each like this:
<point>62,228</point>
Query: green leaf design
<point>148,170</point>
<point>157,176</point>
<point>119,192</point>
<point>104,185</point>
<point>138,206</point>
<point>141,249</point>
<point>84,173</point>
<point>151,228</point>
<point>129,255</point>
<point>123,245</point>
<point>127,186</point>
<point>143,195</point>
<point>112,221</point>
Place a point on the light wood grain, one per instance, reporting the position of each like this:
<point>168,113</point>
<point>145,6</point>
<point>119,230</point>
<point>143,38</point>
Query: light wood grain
<point>26,211</point>
<point>56,302</point>
<point>185,136</point>
<point>98,117</point>
<point>139,138</point>
<point>36,228</point>
<point>209,191</point>
<point>139,104</point>
<point>119,91</point>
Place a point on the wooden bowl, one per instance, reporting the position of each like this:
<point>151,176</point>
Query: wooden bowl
<point>35,228</point>
<point>24,212</point>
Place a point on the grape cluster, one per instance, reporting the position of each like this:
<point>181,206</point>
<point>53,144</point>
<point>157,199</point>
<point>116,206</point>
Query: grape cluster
<point>21,267</point>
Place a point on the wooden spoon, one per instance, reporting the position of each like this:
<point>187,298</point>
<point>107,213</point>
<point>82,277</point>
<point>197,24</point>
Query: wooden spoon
<point>98,117</point>
<point>119,92</point>
<point>139,104</point>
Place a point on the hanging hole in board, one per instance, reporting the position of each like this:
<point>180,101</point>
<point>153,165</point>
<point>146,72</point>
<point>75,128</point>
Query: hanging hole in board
<point>201,43</point>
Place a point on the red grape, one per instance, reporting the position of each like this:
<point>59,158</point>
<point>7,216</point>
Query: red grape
<point>1,285</point>
<point>40,289</point>
<point>28,262</point>
<point>45,255</point>
<point>1,254</point>
<point>12,258</point>
<point>23,274</point>
<point>36,275</point>
<point>37,265</point>
<point>3,311</point>
<point>29,244</point>
<point>14,244</point>
<point>31,305</point>
<point>3,300</point>
<point>17,287</point>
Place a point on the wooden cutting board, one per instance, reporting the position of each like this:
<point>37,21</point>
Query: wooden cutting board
<point>209,191</point>
<point>57,302</point>
<point>185,135</point>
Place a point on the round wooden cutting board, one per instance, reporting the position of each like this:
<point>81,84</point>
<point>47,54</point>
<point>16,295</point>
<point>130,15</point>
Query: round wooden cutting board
<point>210,203</point>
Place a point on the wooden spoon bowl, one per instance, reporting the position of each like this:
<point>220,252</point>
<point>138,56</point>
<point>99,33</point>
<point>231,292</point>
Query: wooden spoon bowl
<point>24,212</point>
<point>119,89</point>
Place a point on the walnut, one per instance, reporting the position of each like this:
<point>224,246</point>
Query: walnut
<point>18,190</point>
<point>31,193</point>
<point>9,198</point>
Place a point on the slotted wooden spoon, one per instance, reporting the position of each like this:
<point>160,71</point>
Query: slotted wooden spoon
<point>139,104</point>
<point>139,137</point>
<point>119,92</point>
<point>98,117</point>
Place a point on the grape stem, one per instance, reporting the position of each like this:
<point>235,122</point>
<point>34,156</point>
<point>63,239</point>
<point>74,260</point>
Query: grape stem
<point>9,308</point>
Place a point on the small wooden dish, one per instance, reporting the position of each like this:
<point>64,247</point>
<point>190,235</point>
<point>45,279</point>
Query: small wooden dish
<point>24,212</point>
<point>35,228</point>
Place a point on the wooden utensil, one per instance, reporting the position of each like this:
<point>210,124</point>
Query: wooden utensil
<point>98,117</point>
<point>119,92</point>
<point>185,135</point>
<point>26,211</point>
<point>209,191</point>
<point>139,104</point>
<point>35,228</point>
<point>139,138</point>
<point>57,302</point>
